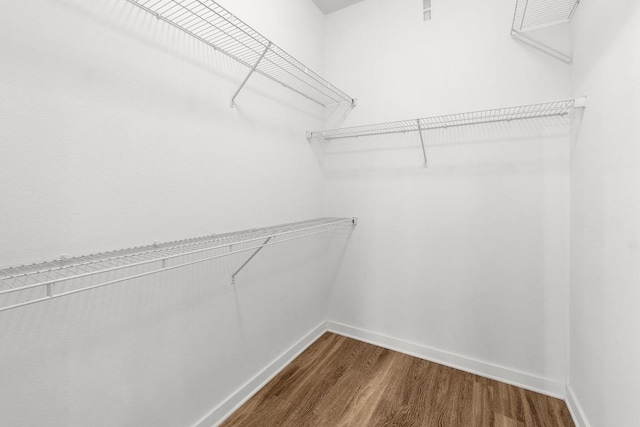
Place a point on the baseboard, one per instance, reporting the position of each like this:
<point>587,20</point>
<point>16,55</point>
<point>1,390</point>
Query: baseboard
<point>484,369</point>
<point>251,387</point>
<point>579,417</point>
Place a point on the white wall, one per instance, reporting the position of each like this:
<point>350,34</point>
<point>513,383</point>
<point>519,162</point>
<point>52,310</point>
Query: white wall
<point>605,216</point>
<point>110,119</point>
<point>471,255</point>
<point>116,131</point>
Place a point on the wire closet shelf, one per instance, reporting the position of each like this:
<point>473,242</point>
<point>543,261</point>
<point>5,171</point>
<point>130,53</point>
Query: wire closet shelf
<point>29,284</point>
<point>213,25</point>
<point>522,112</point>
<point>531,15</point>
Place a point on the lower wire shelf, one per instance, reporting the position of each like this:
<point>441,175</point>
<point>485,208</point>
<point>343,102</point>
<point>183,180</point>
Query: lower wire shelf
<point>30,284</point>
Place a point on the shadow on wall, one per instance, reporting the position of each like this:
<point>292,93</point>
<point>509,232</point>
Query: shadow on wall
<point>288,280</point>
<point>576,125</point>
<point>335,256</point>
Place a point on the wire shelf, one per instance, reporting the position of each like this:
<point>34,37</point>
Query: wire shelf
<point>213,25</point>
<point>533,15</point>
<point>420,125</point>
<point>556,108</point>
<point>29,284</point>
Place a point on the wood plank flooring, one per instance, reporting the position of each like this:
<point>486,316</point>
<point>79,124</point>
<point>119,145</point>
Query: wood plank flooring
<point>339,381</point>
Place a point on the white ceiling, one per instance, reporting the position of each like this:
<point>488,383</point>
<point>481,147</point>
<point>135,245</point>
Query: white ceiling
<point>328,6</point>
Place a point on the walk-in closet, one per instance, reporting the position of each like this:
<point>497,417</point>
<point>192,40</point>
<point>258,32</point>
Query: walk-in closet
<point>329,213</point>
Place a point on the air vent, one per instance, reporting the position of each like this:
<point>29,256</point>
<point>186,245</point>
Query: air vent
<point>426,10</point>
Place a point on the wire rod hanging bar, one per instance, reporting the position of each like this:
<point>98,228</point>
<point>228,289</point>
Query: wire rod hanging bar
<point>213,25</point>
<point>524,38</point>
<point>40,277</point>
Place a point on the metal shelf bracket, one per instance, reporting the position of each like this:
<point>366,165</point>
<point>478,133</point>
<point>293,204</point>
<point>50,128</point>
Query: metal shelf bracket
<point>233,276</point>
<point>581,102</point>
<point>253,69</point>
<point>424,152</point>
<point>528,40</point>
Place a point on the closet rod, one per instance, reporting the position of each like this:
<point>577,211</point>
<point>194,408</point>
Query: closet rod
<point>210,23</point>
<point>153,257</point>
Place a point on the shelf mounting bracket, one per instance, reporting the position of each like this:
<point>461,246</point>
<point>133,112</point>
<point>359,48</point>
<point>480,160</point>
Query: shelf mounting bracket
<point>253,69</point>
<point>523,38</point>
<point>233,276</point>
<point>424,151</point>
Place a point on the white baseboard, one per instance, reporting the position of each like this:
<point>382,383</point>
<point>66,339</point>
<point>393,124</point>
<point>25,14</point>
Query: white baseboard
<point>579,417</point>
<point>484,369</point>
<point>251,387</point>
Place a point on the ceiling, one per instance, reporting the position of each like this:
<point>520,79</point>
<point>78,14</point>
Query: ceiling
<point>328,6</point>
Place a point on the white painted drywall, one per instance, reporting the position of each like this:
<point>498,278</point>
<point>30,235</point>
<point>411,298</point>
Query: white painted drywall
<point>471,255</point>
<point>605,215</point>
<point>115,131</point>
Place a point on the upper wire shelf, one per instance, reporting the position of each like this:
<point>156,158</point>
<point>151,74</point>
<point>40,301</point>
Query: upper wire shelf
<point>522,112</point>
<point>213,25</point>
<point>531,15</point>
<point>29,284</point>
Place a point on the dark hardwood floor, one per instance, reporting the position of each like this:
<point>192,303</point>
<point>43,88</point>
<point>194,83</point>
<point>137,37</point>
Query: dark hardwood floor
<point>339,381</point>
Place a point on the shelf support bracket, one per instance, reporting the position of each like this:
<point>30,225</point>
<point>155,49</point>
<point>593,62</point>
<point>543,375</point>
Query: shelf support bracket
<point>521,37</point>
<point>233,276</point>
<point>253,69</point>
<point>424,151</point>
